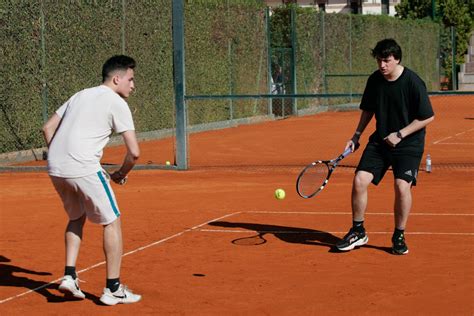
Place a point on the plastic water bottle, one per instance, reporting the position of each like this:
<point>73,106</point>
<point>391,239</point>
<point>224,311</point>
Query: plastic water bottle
<point>428,163</point>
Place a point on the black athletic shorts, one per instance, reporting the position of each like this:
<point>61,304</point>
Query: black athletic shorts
<point>377,158</point>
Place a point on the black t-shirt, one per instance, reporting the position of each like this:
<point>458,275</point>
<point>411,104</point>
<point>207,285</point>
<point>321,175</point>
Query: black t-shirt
<point>396,104</point>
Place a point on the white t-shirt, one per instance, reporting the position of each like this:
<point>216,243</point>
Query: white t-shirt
<point>88,119</point>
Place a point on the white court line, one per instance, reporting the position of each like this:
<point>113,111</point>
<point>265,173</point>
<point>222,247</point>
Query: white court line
<point>321,232</point>
<point>455,144</point>
<point>349,213</point>
<point>126,254</point>
<point>448,137</point>
<point>197,228</point>
<point>440,140</point>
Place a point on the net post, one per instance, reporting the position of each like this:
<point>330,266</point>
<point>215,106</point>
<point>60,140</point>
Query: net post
<point>179,84</point>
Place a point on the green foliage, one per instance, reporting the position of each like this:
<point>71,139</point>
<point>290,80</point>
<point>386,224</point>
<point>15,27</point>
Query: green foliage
<point>59,47</point>
<point>449,13</point>
<point>226,54</point>
<point>78,36</point>
<point>20,117</point>
<point>329,45</point>
<point>414,9</point>
<point>457,14</point>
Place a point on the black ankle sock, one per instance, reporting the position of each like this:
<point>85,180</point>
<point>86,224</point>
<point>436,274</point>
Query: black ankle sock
<point>113,284</point>
<point>358,226</point>
<point>70,271</point>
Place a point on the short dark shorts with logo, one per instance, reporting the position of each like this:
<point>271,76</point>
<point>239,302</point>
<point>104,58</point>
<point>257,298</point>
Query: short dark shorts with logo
<point>377,158</point>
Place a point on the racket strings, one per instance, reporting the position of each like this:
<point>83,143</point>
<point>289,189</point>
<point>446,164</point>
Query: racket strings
<point>313,179</point>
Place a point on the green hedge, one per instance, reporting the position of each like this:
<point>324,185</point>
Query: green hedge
<point>226,54</point>
<point>341,44</point>
<point>50,49</point>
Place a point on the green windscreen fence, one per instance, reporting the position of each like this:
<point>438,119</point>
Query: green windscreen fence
<point>243,61</point>
<point>52,49</point>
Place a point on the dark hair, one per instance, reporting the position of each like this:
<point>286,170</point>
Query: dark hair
<point>387,47</point>
<point>117,62</point>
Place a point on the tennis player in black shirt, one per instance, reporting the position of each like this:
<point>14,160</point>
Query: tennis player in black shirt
<point>398,99</point>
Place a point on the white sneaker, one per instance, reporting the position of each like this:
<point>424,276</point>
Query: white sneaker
<point>70,286</point>
<point>122,295</point>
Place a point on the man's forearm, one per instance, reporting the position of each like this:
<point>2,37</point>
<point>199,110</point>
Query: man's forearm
<point>128,163</point>
<point>414,126</point>
<point>50,127</point>
<point>364,120</point>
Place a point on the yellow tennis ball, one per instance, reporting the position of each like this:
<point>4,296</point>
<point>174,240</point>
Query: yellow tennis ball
<point>168,162</point>
<point>280,194</point>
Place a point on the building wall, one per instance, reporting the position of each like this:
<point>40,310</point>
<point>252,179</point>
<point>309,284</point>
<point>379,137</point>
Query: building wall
<point>341,6</point>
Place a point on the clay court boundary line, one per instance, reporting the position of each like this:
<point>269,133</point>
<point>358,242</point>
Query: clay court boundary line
<point>438,142</point>
<point>349,213</point>
<point>124,255</point>
<point>321,232</point>
<point>457,144</point>
<point>197,228</point>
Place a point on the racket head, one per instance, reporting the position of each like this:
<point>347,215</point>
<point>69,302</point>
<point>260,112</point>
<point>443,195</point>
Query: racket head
<point>312,179</point>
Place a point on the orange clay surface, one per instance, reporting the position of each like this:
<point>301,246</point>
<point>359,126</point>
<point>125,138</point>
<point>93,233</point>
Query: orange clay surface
<point>178,229</point>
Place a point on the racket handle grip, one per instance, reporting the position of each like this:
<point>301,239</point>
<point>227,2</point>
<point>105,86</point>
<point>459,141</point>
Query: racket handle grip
<point>346,152</point>
<point>349,150</point>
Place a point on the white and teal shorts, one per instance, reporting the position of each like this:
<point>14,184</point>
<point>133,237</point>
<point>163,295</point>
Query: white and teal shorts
<point>91,195</point>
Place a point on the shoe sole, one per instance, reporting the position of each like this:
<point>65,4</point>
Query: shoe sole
<point>112,302</point>
<point>358,243</point>
<point>399,252</point>
<point>66,291</point>
<point>109,302</point>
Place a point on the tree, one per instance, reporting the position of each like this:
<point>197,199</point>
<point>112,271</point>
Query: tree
<point>414,9</point>
<point>449,13</point>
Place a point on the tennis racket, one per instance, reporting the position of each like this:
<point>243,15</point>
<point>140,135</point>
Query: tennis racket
<point>315,176</point>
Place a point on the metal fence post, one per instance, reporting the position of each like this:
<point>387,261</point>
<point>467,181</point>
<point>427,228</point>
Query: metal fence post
<point>293,59</point>
<point>453,56</point>
<point>44,88</point>
<point>179,84</point>
<point>269,66</point>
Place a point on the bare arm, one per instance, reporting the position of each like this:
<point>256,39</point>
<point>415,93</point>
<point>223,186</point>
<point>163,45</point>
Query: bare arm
<point>133,153</point>
<point>50,127</point>
<point>365,118</point>
<point>392,139</point>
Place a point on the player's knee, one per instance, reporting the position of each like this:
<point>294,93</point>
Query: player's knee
<point>362,180</point>
<point>116,224</point>
<point>402,186</point>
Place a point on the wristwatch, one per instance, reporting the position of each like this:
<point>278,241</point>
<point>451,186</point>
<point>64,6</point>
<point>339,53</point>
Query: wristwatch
<point>399,135</point>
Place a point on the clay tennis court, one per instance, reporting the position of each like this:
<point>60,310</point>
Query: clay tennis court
<point>179,228</point>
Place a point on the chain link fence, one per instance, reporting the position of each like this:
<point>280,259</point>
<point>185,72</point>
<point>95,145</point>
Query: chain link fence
<point>51,49</point>
<point>243,62</point>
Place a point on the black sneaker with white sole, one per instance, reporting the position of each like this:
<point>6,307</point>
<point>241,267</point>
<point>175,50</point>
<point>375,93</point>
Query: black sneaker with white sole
<point>399,247</point>
<point>352,239</point>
